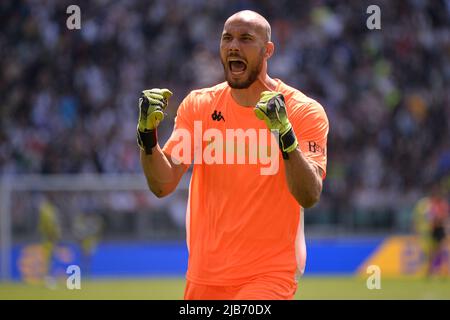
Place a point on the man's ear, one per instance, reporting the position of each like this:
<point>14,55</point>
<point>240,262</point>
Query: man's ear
<point>270,48</point>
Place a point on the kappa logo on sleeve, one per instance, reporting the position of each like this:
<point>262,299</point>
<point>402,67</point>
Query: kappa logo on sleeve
<point>316,148</point>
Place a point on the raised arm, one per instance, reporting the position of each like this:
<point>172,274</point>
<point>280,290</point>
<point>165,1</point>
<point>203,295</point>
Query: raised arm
<point>303,175</point>
<point>161,173</point>
<point>304,179</point>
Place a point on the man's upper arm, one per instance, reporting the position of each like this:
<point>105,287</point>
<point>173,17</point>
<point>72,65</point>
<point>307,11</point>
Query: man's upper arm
<point>311,127</point>
<point>179,147</point>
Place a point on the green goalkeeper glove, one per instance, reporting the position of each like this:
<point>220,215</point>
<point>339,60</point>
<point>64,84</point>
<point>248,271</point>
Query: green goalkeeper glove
<point>152,104</point>
<point>272,109</point>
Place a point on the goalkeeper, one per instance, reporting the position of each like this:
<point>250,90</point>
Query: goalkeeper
<point>244,230</point>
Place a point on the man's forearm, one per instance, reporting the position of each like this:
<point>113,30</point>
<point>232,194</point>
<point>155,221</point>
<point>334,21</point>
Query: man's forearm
<point>304,179</point>
<point>159,172</point>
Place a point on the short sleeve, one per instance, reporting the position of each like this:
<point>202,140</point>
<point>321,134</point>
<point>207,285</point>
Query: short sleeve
<point>311,127</point>
<point>180,144</point>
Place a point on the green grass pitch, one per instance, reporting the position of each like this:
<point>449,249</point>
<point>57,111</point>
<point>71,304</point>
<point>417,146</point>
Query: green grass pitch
<point>172,289</point>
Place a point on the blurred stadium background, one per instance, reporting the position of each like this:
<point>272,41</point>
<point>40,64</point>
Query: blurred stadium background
<point>69,162</point>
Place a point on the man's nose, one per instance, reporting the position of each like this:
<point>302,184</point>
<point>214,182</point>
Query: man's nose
<point>234,45</point>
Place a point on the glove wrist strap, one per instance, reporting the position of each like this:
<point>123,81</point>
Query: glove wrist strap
<point>147,140</point>
<point>288,143</point>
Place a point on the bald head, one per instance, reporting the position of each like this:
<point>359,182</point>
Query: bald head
<point>245,47</point>
<point>253,19</point>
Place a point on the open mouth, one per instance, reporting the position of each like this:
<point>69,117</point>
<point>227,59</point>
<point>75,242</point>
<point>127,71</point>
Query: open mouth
<point>237,66</point>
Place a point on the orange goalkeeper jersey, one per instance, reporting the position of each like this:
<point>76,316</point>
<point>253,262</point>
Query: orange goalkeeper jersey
<point>242,224</point>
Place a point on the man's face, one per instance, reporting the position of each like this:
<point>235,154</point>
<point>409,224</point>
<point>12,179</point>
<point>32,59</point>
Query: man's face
<point>242,51</point>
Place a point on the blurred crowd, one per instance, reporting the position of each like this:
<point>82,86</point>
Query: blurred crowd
<point>68,98</point>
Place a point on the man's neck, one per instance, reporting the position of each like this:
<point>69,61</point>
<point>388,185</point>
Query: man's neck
<point>249,97</point>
